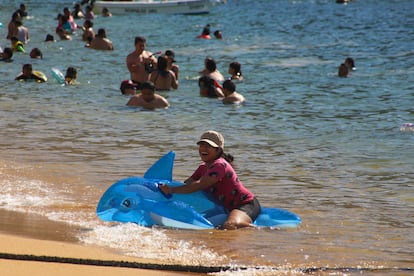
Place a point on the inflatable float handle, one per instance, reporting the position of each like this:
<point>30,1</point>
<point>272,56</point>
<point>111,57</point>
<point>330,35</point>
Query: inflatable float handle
<point>167,196</point>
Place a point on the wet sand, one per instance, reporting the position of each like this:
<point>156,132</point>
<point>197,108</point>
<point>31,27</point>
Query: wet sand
<point>34,245</point>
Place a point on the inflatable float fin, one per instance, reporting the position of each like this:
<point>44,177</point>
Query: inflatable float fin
<point>163,168</point>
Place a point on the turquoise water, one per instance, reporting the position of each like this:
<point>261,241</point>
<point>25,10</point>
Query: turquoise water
<point>327,148</point>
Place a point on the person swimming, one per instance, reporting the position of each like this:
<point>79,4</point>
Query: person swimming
<point>350,63</point>
<point>235,71</point>
<point>209,87</point>
<point>343,71</point>
<point>28,74</point>
<point>71,75</point>
<point>205,34</point>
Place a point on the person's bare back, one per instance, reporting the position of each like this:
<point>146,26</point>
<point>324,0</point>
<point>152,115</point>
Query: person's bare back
<point>164,80</point>
<point>100,42</point>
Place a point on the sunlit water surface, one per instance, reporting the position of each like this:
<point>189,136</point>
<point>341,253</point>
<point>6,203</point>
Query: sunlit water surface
<point>329,149</point>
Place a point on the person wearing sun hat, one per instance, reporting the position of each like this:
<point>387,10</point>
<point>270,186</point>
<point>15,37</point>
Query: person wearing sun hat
<point>170,64</point>
<point>213,138</point>
<point>217,177</point>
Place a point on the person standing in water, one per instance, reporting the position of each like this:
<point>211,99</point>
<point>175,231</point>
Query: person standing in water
<point>139,61</point>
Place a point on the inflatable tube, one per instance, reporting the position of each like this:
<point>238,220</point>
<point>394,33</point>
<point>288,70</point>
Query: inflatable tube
<point>58,75</point>
<point>139,200</point>
<point>204,36</point>
<point>40,75</point>
<point>20,48</point>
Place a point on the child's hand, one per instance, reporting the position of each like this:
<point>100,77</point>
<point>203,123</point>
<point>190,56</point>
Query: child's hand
<point>165,190</point>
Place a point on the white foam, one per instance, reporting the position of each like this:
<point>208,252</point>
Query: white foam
<point>151,243</point>
<point>34,196</point>
<point>20,194</point>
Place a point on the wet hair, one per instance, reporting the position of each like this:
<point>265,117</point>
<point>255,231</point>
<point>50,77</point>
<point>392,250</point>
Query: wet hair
<point>22,10</point>
<point>71,72</point>
<point>208,83</point>
<point>8,51</point>
<point>218,34</point>
<point>101,33</point>
<point>170,54</point>
<point>350,62</point>
<point>227,156</point>
<point>162,63</point>
<point>229,85</point>
<point>140,39</point>
<point>64,18</point>
<point>88,23</point>
<point>148,85</point>
<point>236,66</point>
<point>49,37</point>
<point>15,15</point>
<point>206,80</point>
<point>36,53</point>
<point>210,64</point>
<point>206,30</point>
<point>28,67</point>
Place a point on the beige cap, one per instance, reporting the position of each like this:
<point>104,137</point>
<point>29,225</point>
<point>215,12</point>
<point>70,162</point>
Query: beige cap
<point>213,138</point>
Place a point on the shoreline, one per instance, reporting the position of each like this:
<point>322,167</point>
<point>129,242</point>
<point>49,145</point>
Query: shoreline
<point>24,256</point>
<point>32,244</point>
<point>35,226</point>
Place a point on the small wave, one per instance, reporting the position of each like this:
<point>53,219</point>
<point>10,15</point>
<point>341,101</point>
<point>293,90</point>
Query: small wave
<point>151,243</point>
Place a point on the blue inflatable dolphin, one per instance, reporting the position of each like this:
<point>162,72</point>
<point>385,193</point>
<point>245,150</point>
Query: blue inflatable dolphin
<point>139,200</point>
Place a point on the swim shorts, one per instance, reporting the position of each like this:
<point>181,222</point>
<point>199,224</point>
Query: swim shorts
<point>252,209</point>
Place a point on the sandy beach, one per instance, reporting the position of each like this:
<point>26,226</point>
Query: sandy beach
<point>60,258</point>
<point>33,244</point>
<point>333,150</point>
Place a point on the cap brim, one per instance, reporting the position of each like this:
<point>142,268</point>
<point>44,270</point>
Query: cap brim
<point>211,143</point>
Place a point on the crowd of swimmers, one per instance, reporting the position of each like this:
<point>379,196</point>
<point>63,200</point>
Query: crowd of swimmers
<point>18,35</point>
<point>149,74</point>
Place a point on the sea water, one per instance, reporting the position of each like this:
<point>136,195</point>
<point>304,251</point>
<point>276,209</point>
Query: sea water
<point>336,151</point>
